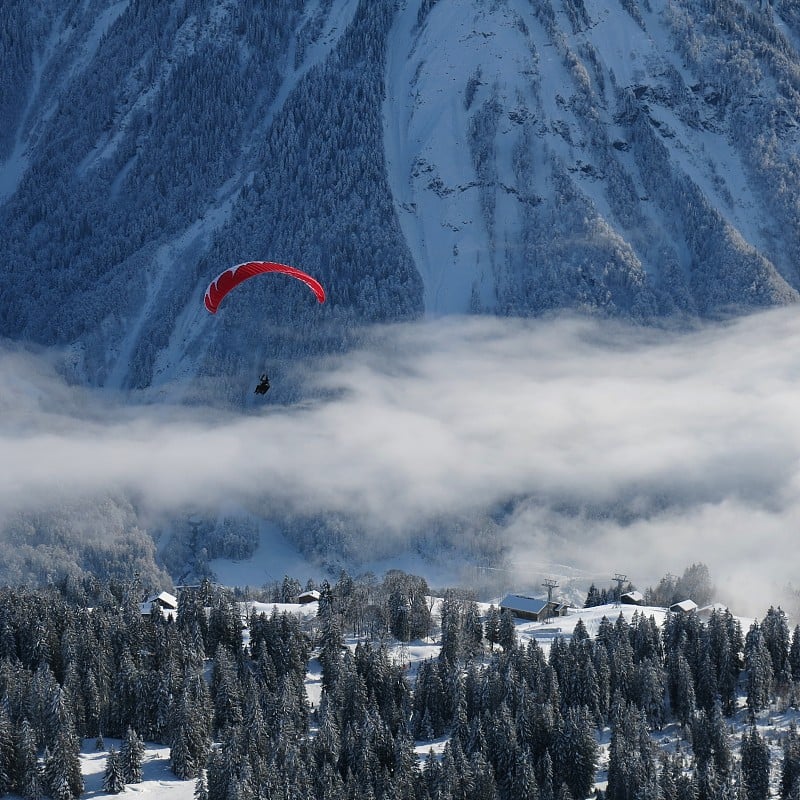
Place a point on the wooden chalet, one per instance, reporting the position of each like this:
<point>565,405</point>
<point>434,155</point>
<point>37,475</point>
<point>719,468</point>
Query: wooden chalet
<point>532,608</point>
<point>166,602</point>
<point>633,598</point>
<point>684,607</point>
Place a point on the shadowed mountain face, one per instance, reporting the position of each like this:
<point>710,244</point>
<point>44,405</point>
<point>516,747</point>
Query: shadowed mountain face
<point>512,158</point>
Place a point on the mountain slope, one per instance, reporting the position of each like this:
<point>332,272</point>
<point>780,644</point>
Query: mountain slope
<point>633,160</point>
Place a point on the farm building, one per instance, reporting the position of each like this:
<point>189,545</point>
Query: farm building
<point>532,608</point>
<point>633,598</point>
<point>167,602</point>
<point>684,607</point>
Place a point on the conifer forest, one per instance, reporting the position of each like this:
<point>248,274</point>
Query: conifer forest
<point>639,710</point>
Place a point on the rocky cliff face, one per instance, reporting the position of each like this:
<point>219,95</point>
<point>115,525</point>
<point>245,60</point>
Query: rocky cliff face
<point>634,160</point>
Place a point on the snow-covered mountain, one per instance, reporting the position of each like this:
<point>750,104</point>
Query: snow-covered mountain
<point>637,159</point>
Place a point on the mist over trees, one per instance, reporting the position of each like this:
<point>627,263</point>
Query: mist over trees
<point>695,584</point>
<point>78,540</point>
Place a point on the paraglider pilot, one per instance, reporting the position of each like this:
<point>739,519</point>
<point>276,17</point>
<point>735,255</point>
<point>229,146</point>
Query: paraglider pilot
<point>263,384</point>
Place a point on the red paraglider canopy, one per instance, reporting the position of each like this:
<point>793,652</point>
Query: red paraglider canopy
<point>232,277</point>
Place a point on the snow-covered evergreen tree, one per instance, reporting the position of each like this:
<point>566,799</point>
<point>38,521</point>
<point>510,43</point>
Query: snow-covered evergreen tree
<point>131,754</point>
<point>113,776</point>
<point>755,765</point>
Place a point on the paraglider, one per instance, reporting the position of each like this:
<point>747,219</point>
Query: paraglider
<point>231,278</point>
<point>263,384</point>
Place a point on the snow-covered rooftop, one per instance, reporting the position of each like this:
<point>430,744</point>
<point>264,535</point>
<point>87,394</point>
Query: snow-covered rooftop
<point>516,602</point>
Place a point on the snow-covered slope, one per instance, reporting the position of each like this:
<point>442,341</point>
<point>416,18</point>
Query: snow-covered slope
<point>520,139</point>
<point>428,157</point>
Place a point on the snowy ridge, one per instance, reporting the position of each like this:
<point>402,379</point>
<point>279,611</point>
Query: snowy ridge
<point>422,159</point>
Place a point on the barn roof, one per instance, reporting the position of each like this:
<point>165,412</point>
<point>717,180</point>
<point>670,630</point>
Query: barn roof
<point>685,605</point>
<point>164,598</point>
<point>517,602</point>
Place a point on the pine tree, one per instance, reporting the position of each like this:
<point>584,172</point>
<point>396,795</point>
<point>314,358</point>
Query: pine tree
<point>544,776</point>
<point>724,659</point>
<point>290,589</point>
<point>228,771</point>
<point>219,774</point>
<point>429,717</point>
<point>190,725</point>
<point>184,761</point>
<point>686,787</point>
<point>62,766</point>
<point>794,654</point>
<point>181,761</point>
<point>776,638</point>
<point>201,786</point>
<point>503,749</point>
<point>192,620</point>
<point>523,785</point>
<point>723,759</point>
<point>621,660</point>
<point>681,687</point>
<point>508,632</point>
<point>457,772</point>
<point>668,778</point>
<point>790,765</point>
<point>226,690</point>
<point>113,778</point>
<point>6,751</point>
<point>755,765</point>
<point>707,782</point>
<point>602,670</point>
<point>419,619</point>
<point>758,663</point>
<point>450,626</point>
<point>432,775</point>
<point>328,784</point>
<point>473,629</point>
<point>476,740</point>
<point>649,692</point>
<point>224,625</point>
<point>492,626</point>
<point>123,696</point>
<point>578,757</point>
<point>400,619</point>
<point>460,726</point>
<point>484,784</point>
<point>29,778</point>
<point>131,754</point>
<point>330,656</point>
<point>706,689</point>
<point>592,597</point>
<point>326,746</point>
<point>631,765</point>
<point>587,686</point>
<point>54,774</point>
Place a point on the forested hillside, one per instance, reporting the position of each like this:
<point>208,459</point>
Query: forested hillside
<point>635,160</point>
<point>640,710</point>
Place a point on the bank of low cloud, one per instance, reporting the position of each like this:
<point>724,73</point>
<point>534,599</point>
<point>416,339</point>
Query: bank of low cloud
<point>656,447</point>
